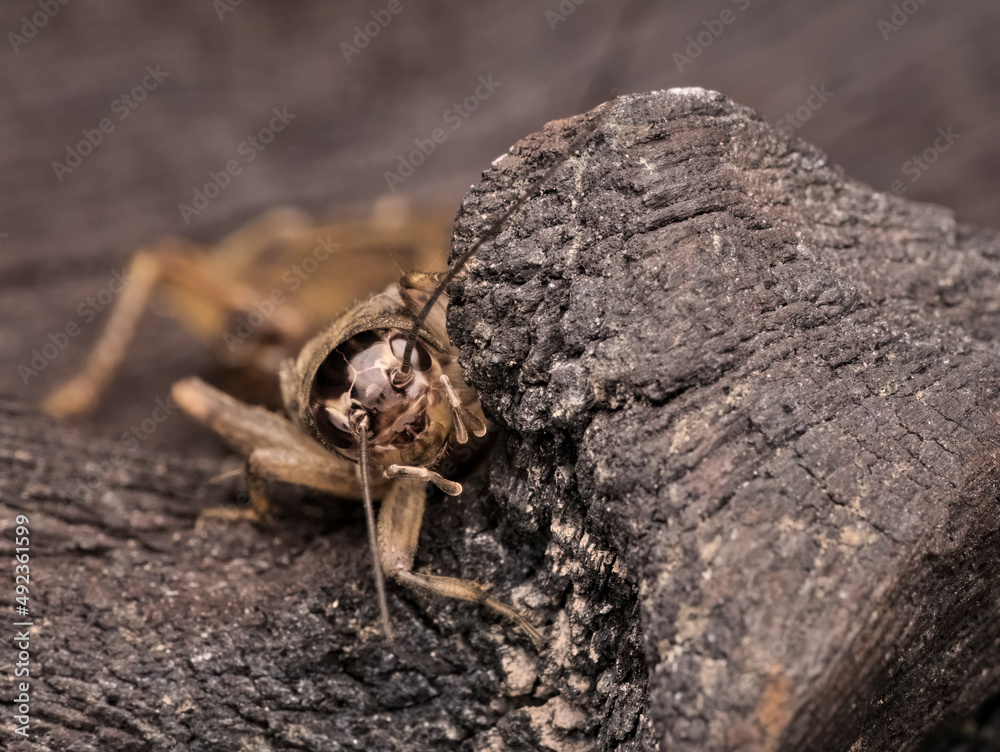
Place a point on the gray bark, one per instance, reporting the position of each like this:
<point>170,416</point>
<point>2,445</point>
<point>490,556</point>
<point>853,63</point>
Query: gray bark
<point>150,636</point>
<point>772,392</point>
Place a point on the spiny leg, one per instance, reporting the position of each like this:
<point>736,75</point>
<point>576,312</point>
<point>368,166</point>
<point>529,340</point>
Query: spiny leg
<point>416,290</point>
<point>274,464</point>
<point>259,511</point>
<point>465,420</point>
<point>398,530</point>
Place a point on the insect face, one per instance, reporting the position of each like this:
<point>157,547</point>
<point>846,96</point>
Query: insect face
<point>409,415</point>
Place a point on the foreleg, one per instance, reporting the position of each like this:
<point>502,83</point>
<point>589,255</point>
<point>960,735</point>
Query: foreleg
<point>398,530</point>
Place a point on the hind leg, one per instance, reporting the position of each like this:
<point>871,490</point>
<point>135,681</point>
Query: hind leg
<point>207,302</point>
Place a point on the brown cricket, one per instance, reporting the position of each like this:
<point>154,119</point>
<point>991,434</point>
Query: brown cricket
<point>369,407</point>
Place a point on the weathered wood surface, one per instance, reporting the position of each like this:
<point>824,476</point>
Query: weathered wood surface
<point>151,636</point>
<point>774,391</point>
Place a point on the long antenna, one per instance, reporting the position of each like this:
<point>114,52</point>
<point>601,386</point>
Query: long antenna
<point>585,132</point>
<point>365,462</point>
<point>615,63</point>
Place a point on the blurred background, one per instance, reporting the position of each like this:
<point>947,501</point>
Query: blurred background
<point>904,94</point>
<point>181,86</point>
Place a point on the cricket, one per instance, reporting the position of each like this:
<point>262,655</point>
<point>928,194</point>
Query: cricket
<point>362,405</point>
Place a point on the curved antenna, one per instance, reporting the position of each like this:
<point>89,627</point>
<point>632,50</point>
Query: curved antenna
<point>365,462</point>
<point>585,132</point>
<point>619,53</point>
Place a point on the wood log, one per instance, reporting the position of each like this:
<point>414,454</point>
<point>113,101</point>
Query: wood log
<point>772,392</point>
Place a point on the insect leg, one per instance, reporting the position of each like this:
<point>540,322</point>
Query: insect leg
<point>244,427</point>
<point>465,419</point>
<point>398,529</point>
<point>80,394</point>
<point>290,466</point>
<point>206,303</point>
<point>424,474</point>
<point>275,449</point>
<point>245,245</point>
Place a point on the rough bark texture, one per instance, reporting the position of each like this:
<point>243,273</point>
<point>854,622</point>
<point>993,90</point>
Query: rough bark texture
<point>748,483</point>
<point>772,392</point>
<point>150,636</point>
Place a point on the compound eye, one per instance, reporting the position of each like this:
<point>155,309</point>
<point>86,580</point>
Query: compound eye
<point>333,394</point>
<point>334,426</point>
<point>420,359</point>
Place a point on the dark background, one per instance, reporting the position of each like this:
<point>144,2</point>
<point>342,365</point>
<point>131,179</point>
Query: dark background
<point>354,119</point>
<point>60,241</point>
